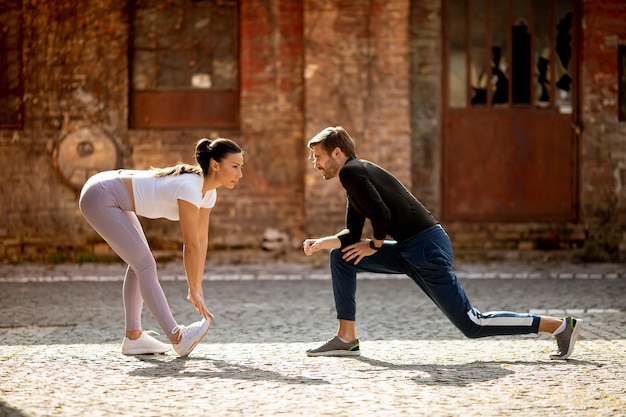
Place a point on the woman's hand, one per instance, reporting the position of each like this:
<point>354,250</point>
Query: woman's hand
<point>197,299</point>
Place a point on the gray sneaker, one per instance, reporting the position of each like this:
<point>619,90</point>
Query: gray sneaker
<point>335,347</point>
<point>567,338</point>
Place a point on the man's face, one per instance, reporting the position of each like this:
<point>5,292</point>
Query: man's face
<point>324,162</point>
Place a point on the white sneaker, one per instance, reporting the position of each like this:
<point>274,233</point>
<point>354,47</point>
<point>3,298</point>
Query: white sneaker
<point>191,335</point>
<point>144,345</point>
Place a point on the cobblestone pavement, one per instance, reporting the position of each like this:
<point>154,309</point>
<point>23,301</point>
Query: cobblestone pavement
<point>61,328</point>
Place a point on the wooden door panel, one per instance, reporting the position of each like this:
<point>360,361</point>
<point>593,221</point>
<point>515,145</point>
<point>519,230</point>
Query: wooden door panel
<point>509,166</point>
<point>510,87</point>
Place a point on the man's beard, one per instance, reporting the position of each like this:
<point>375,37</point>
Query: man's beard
<point>331,169</point>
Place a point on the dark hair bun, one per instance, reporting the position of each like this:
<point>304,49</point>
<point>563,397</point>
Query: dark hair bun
<point>203,150</point>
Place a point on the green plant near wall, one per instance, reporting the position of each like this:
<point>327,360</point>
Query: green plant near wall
<point>56,257</point>
<point>88,257</point>
<point>85,257</point>
<point>592,252</point>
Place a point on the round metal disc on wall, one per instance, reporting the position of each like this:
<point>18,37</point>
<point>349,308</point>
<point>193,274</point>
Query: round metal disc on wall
<point>84,152</point>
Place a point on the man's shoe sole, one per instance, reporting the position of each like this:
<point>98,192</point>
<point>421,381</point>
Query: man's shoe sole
<point>336,353</point>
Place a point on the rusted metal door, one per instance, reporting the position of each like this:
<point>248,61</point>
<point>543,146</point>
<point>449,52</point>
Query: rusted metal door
<point>510,137</point>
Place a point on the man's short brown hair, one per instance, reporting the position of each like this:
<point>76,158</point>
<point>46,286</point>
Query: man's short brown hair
<point>334,137</point>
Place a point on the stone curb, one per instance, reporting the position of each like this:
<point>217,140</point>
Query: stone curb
<point>262,276</point>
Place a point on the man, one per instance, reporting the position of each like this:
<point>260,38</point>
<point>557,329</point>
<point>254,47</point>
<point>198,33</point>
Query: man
<point>421,249</point>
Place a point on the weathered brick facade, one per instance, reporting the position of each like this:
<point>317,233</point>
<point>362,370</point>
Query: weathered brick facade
<point>603,153</point>
<point>357,76</point>
<point>372,66</point>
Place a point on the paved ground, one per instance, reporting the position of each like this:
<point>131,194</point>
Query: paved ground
<point>60,330</point>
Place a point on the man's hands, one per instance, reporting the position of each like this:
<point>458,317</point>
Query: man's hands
<point>354,252</point>
<point>358,251</point>
<point>311,246</point>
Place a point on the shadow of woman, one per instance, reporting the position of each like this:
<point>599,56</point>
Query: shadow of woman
<point>8,411</point>
<point>214,368</point>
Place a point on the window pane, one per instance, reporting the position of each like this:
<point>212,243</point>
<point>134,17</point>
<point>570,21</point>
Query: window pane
<point>145,70</point>
<point>457,58</point>
<point>225,63</point>
<point>542,86</point>
<point>185,44</point>
<point>479,72</point>
<point>520,60</point>
<point>499,82</point>
<point>564,19</point>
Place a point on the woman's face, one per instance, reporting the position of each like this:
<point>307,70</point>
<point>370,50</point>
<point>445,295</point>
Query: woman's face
<point>229,170</point>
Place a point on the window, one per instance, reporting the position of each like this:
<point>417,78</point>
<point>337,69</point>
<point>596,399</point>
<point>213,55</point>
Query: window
<point>11,108</point>
<point>184,64</point>
<point>510,53</point>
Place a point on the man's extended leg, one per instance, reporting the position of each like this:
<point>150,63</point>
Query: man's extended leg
<point>430,255</point>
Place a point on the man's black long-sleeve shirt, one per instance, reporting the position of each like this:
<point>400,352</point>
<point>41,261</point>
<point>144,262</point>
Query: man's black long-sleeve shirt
<point>376,194</point>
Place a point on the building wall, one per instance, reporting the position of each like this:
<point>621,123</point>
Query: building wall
<point>603,145</point>
<point>76,85</point>
<point>372,66</point>
<point>602,212</point>
<point>357,76</point>
<point>271,112</point>
<point>425,44</point>
<point>75,74</point>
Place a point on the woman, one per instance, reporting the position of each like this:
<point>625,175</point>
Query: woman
<point>111,202</point>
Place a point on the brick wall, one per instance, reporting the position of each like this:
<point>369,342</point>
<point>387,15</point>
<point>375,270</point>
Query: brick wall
<point>74,72</point>
<point>603,153</point>
<point>76,76</point>
<point>425,70</point>
<point>602,161</point>
<point>372,66</point>
<point>271,115</point>
<point>357,76</point>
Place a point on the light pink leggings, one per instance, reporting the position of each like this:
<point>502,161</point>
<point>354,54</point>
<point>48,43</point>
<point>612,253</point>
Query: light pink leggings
<point>107,206</point>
